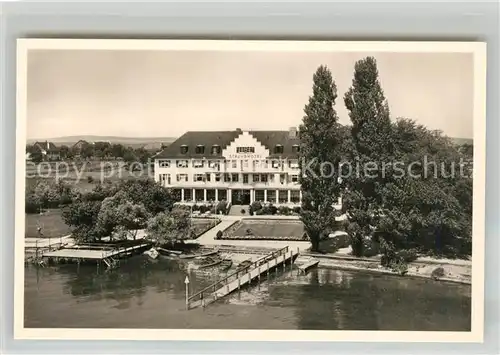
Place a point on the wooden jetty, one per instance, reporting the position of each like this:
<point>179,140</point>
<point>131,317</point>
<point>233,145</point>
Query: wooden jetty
<point>256,270</point>
<point>107,255</point>
<point>304,268</point>
<point>35,248</point>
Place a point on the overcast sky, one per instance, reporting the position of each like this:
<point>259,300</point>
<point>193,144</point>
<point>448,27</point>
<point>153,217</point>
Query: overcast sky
<point>166,93</point>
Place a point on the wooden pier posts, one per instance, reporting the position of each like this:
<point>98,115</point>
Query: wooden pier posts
<point>236,280</point>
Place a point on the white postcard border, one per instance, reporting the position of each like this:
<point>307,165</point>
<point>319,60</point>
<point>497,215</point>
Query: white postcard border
<point>478,49</point>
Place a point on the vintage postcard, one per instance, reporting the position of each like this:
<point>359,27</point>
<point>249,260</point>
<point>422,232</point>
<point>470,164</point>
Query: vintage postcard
<point>250,190</point>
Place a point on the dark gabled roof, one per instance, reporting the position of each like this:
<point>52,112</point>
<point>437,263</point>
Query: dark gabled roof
<point>47,146</point>
<point>192,139</point>
<point>223,138</point>
<point>270,139</point>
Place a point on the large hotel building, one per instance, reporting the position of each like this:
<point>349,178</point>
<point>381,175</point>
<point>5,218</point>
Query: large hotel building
<point>238,166</point>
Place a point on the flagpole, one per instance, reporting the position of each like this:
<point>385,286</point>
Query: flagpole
<point>186,282</point>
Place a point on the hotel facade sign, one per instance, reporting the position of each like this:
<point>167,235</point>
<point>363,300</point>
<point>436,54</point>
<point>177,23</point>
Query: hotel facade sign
<point>244,156</point>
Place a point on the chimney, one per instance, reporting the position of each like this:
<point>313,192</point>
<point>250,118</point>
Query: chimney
<point>238,130</point>
<point>292,132</point>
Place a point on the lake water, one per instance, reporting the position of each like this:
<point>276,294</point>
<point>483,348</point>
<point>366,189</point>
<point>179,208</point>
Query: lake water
<point>151,294</point>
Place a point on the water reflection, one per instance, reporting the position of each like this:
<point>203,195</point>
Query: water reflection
<point>357,301</point>
<point>151,294</point>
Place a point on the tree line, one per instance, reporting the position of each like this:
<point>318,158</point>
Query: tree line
<point>97,150</point>
<point>404,216</point>
<point>115,210</point>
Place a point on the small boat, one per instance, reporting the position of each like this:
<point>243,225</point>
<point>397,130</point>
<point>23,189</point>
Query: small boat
<point>170,253</point>
<point>219,265</point>
<point>197,256</point>
<point>206,264</point>
<point>225,264</point>
<point>244,264</point>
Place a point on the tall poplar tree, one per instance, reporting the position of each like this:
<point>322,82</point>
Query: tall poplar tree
<point>320,140</point>
<point>373,146</point>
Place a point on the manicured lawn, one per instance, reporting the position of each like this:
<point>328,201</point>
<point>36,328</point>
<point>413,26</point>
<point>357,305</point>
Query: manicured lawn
<point>51,222</point>
<point>266,229</point>
<point>200,226</point>
<point>54,226</point>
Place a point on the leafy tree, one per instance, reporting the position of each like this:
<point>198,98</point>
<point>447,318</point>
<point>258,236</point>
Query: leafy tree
<point>99,192</point>
<point>64,151</point>
<point>129,157</point>
<point>320,139</point>
<point>117,150</point>
<point>142,155</point>
<point>132,217</point>
<point>107,219</point>
<point>152,195</point>
<point>30,148</point>
<point>82,216</point>
<point>99,154</point>
<point>102,149</point>
<point>168,228</point>
<point>47,194</point>
<point>36,156</point>
<point>119,214</point>
<point>86,150</point>
<point>372,142</point>
<point>32,204</point>
<point>116,209</point>
<point>467,150</point>
<point>429,211</point>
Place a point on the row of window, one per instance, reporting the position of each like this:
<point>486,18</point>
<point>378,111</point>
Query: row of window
<point>260,195</point>
<point>216,149</point>
<point>165,179</point>
<point>215,164</point>
<point>270,195</point>
<point>200,149</point>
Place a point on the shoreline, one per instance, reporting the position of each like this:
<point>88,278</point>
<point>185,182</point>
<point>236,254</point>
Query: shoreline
<point>421,270</point>
<point>455,271</point>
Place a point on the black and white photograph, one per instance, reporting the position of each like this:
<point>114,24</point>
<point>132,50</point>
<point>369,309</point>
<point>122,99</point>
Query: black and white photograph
<point>197,189</point>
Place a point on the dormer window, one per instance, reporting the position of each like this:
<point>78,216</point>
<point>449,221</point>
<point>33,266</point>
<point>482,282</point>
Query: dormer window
<point>184,149</point>
<point>295,148</point>
<point>278,149</point>
<point>164,163</point>
<point>216,149</point>
<point>200,149</point>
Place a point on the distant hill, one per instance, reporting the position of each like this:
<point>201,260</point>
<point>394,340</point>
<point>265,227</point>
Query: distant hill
<point>134,142</point>
<point>150,142</point>
<point>461,141</point>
